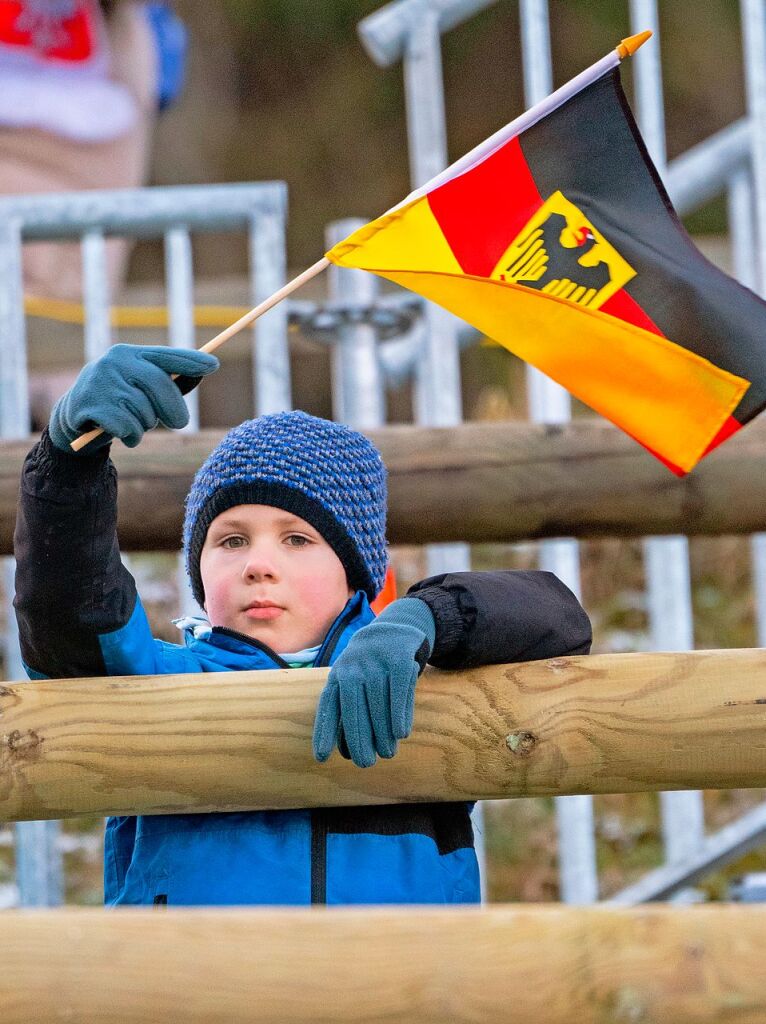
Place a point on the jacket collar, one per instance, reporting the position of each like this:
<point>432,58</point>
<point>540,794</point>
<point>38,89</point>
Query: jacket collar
<point>236,652</point>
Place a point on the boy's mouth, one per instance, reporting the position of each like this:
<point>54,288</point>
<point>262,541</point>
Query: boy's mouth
<point>263,610</point>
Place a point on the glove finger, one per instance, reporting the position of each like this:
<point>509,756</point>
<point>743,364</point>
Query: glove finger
<point>379,701</point>
<point>167,401</point>
<point>188,362</point>
<point>402,696</point>
<point>116,420</point>
<point>326,722</point>
<point>398,712</point>
<point>342,745</point>
<point>410,712</point>
<point>138,403</point>
<point>357,727</point>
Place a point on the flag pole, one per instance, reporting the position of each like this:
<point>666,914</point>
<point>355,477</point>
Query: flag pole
<point>625,48</point>
<point>229,332</point>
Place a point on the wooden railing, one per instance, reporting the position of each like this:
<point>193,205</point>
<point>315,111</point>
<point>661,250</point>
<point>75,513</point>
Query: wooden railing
<point>478,482</point>
<point>242,740</point>
<point>658,965</point>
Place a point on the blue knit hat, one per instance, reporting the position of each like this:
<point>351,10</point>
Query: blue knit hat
<point>324,472</point>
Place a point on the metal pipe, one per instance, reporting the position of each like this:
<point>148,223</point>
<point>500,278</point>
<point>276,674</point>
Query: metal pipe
<point>753,17</point>
<point>385,33</point>
<point>179,283</point>
<point>271,353</point>
<point>437,387</point>
<point>358,393</point>
<point>39,868</point>
<point>729,843</point>
<point>14,383</point>
<point>143,212</point>
<point>647,79</point>
<point>741,211</point>
<point>704,171</point>
<point>38,859</point>
<point>666,559</point>
<point>550,403</point>
<point>95,289</point>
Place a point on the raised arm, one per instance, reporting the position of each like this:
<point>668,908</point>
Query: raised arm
<point>76,604</point>
<point>70,583</point>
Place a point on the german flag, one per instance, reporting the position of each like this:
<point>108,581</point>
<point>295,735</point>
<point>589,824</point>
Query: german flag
<point>562,245</point>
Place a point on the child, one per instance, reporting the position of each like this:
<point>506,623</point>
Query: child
<point>284,538</point>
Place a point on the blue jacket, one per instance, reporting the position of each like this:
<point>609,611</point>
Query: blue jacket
<point>79,615</point>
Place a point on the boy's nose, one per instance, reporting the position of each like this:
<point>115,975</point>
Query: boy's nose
<point>258,566</point>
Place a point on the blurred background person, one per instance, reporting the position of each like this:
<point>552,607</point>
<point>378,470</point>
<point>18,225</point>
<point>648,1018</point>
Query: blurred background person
<point>81,84</point>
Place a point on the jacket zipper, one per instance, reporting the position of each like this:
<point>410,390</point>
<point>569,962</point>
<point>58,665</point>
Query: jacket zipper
<point>318,855</point>
<point>319,822</point>
<point>332,641</point>
<point>319,817</point>
<point>281,663</point>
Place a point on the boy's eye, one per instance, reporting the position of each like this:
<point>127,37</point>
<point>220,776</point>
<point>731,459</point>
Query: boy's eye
<point>295,540</point>
<point>233,542</point>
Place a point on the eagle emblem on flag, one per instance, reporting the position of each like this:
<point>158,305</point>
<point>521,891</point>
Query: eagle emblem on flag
<point>559,251</point>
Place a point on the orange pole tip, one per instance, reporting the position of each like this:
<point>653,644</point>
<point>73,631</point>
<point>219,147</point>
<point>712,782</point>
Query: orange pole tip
<point>627,47</point>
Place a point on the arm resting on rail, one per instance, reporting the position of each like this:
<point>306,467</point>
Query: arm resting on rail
<point>491,618</point>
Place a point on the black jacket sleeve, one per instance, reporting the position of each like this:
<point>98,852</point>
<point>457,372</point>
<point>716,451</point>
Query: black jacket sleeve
<point>493,618</point>
<point>71,585</point>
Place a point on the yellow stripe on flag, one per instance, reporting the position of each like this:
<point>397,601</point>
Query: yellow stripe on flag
<point>412,240</point>
<point>668,398</point>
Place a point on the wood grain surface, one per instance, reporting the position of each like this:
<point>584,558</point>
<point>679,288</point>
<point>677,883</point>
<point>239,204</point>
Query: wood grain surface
<point>477,482</point>
<point>242,740</point>
<point>543,965</point>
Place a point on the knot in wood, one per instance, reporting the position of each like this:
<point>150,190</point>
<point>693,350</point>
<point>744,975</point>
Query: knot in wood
<point>521,743</point>
<point>25,744</point>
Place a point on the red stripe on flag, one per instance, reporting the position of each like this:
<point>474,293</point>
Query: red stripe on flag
<point>731,426</point>
<point>482,211</point>
<point>626,308</point>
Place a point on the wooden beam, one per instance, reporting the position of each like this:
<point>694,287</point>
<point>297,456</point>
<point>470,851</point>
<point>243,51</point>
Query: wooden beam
<point>659,965</point>
<point>477,482</point>
<point>233,741</point>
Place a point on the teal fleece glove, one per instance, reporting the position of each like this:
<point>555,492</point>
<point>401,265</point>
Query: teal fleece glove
<point>126,392</point>
<point>368,701</point>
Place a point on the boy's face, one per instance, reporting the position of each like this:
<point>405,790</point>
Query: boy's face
<point>272,576</point>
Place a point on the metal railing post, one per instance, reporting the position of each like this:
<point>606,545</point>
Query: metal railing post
<point>437,372</point>
<point>38,858</point>
<point>271,353</point>
<point>357,381</point>
<point>95,291</point>
<point>666,558</point>
<point>384,32</point>
<point>411,29</point>
<point>438,397</point>
<point>742,205</point>
<point>550,403</point>
<point>704,171</point>
<point>741,212</point>
<point>179,286</point>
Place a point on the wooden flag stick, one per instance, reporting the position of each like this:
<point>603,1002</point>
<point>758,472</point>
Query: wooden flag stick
<point>244,321</point>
